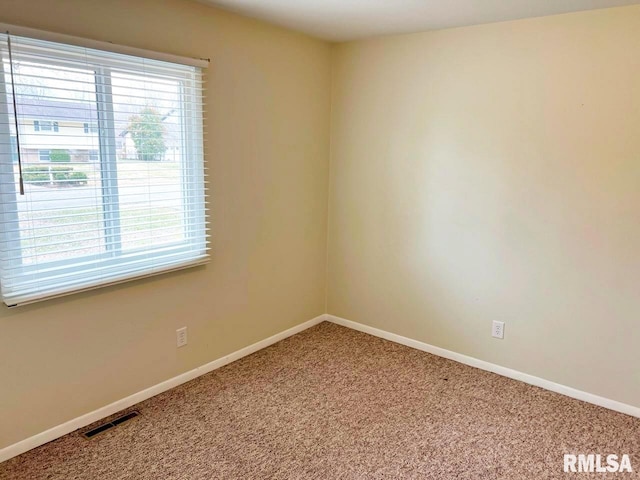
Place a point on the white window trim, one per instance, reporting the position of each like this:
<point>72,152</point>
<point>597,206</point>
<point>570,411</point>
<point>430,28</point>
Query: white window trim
<point>101,45</point>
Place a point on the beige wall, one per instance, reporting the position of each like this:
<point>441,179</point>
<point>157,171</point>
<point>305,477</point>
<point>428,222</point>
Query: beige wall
<point>493,173</point>
<point>268,146</point>
<point>481,173</point>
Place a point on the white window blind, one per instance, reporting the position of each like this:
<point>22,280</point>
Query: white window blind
<point>113,172</point>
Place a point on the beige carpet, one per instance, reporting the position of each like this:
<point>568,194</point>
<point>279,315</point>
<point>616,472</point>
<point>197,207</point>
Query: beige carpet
<point>332,403</point>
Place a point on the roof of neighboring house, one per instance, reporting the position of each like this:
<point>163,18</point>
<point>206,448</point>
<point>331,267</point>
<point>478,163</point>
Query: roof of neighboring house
<point>55,110</point>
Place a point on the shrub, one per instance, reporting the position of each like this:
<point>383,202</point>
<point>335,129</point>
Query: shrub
<point>60,156</point>
<point>69,177</point>
<point>35,175</point>
<point>44,175</point>
<point>78,178</point>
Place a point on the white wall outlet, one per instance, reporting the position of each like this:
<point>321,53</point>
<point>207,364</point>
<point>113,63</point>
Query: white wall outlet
<point>181,336</point>
<point>497,329</point>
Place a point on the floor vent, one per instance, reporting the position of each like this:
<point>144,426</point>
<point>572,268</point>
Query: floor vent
<point>106,426</point>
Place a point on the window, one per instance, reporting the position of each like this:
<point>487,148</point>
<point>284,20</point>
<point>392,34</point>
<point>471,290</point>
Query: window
<point>45,126</point>
<point>44,155</point>
<point>123,203</point>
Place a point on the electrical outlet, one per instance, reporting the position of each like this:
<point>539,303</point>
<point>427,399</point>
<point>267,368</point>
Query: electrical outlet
<point>181,336</point>
<point>497,329</point>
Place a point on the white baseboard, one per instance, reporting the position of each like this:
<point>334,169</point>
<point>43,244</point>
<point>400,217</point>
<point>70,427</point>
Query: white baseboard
<point>88,418</point>
<point>491,367</point>
<point>84,420</point>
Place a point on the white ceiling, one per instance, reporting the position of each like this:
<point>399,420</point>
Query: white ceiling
<point>340,20</point>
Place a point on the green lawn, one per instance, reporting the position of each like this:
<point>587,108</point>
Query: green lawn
<point>132,172</point>
<point>137,229</point>
<point>140,226</point>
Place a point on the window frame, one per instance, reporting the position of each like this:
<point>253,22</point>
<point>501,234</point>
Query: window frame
<point>40,157</point>
<point>45,126</point>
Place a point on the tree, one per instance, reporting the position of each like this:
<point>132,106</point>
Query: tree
<point>147,132</point>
